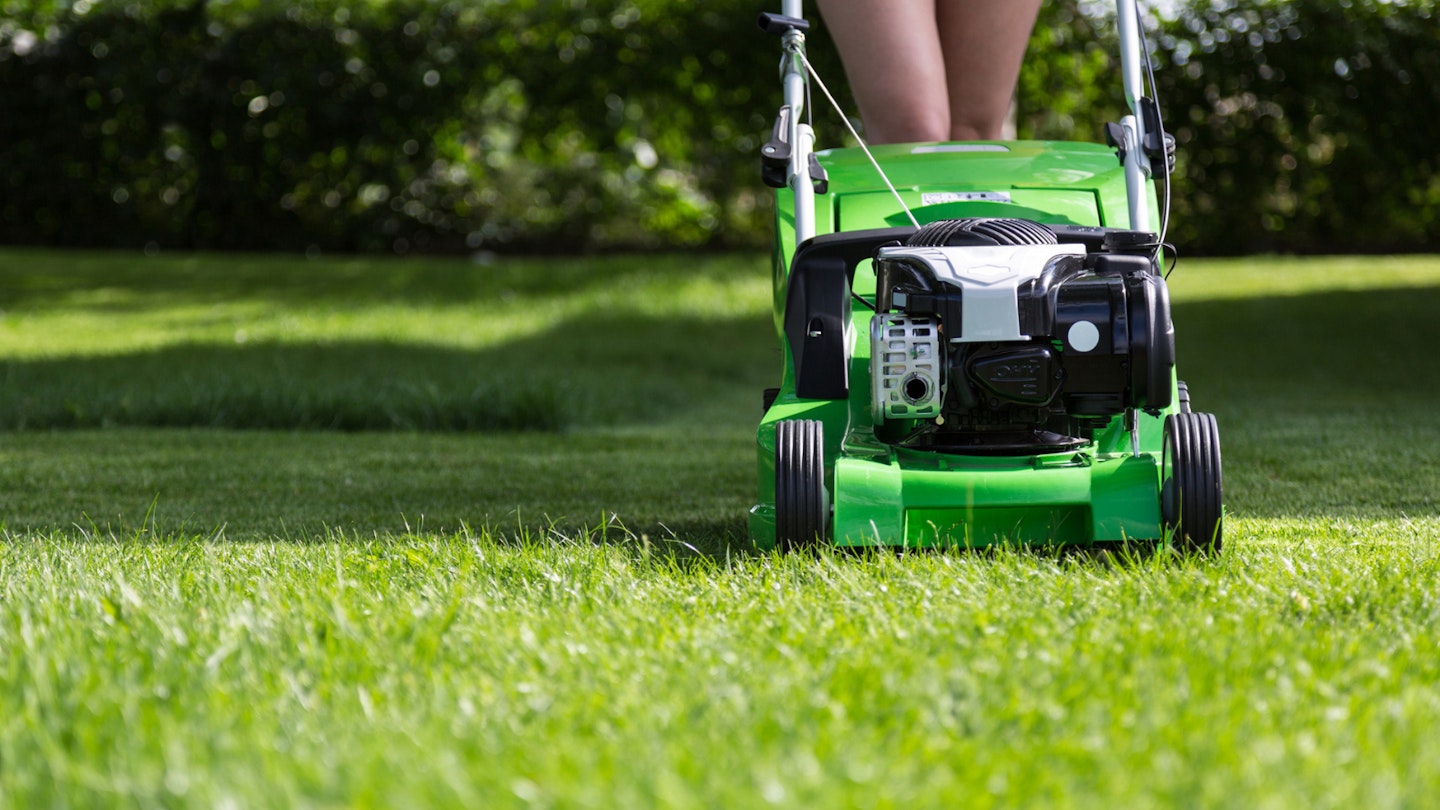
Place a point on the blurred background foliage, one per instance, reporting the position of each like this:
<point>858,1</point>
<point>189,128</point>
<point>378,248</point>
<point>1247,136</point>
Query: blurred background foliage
<point>577,125</point>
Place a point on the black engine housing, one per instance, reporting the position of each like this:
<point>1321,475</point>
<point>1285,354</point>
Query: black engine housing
<point>1094,339</point>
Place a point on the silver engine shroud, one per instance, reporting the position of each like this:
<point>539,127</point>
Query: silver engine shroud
<point>907,367</point>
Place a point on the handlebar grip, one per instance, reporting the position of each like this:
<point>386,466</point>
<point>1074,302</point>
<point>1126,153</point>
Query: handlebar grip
<point>779,24</point>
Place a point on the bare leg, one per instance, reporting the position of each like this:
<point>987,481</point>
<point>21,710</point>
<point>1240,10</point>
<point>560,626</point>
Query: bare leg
<point>983,43</point>
<point>892,58</point>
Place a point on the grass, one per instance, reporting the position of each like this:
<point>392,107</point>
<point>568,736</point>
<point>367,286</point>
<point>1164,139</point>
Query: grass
<point>448,608</point>
<point>285,343</point>
<point>456,670</point>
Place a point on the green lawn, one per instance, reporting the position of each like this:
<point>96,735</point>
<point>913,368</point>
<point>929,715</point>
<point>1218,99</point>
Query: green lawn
<point>341,532</point>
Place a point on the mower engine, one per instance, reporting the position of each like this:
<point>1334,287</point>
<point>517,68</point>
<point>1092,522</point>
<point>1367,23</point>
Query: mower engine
<point>1006,336</point>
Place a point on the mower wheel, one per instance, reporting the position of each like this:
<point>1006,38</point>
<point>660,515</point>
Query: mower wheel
<point>1190,497</point>
<point>802,506</point>
<point>1182,396</point>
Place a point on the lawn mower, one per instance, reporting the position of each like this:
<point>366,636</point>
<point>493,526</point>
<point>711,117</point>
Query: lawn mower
<point>977,340</point>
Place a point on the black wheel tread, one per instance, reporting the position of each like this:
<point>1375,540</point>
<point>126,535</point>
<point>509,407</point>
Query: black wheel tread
<point>1192,449</point>
<point>801,512</point>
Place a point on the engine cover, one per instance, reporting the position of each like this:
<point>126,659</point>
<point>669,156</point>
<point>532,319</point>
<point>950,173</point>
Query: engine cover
<point>990,343</point>
<point>1025,375</point>
<point>988,280</point>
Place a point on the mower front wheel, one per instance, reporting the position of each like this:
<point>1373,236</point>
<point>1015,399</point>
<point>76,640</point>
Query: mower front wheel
<point>802,505</point>
<point>1191,495</point>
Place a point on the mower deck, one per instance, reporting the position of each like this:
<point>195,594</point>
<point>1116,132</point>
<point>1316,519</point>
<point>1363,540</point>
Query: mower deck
<point>888,496</point>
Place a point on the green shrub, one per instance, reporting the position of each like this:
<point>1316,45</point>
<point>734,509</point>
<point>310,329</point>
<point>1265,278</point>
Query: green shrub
<point>1306,126</point>
<point>399,125</point>
<point>436,125</point>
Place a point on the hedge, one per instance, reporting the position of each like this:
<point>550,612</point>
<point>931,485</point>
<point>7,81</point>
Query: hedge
<point>402,125</point>
<point>1306,126</point>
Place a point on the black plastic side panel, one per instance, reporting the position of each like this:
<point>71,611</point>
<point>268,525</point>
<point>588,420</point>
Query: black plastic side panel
<point>1152,341</point>
<point>1095,379</point>
<point>817,307</point>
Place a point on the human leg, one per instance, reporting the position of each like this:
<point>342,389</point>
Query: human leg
<point>983,42</point>
<point>892,57</point>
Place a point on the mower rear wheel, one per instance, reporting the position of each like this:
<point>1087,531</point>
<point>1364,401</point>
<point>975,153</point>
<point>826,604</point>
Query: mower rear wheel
<point>1191,495</point>
<point>1182,396</point>
<point>802,506</point>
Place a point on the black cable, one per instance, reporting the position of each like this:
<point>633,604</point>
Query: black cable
<point>863,302</point>
<point>1160,121</point>
<point>809,99</point>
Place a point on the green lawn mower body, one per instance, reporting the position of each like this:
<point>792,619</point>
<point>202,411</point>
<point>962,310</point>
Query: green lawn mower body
<point>998,370</point>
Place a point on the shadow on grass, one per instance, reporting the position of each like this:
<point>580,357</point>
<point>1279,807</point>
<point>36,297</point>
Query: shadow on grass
<point>671,487</point>
<point>120,282</point>
<point>1326,402</point>
<point>581,372</point>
